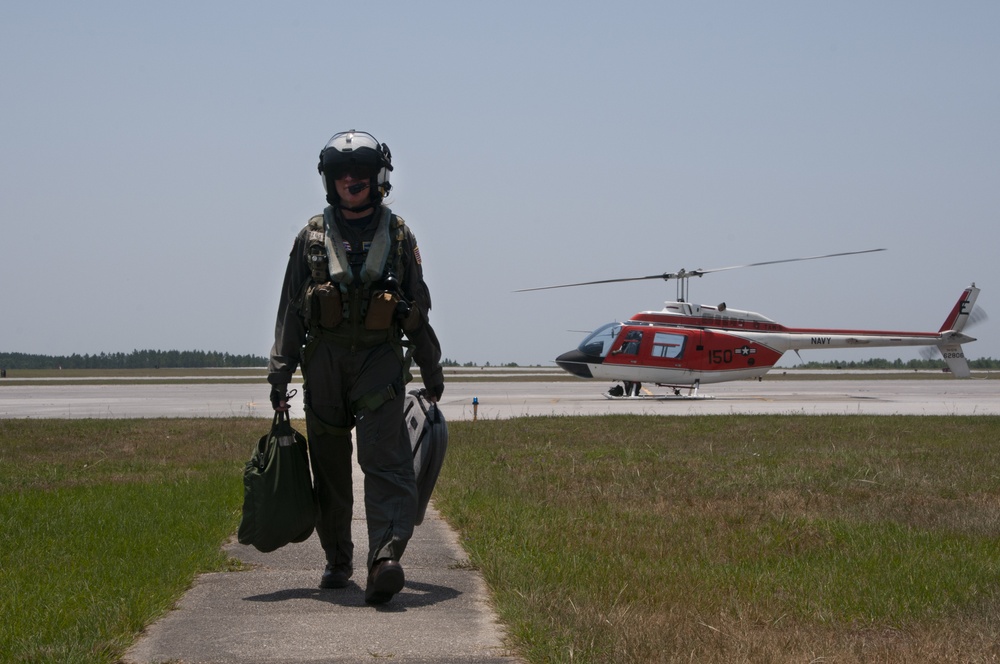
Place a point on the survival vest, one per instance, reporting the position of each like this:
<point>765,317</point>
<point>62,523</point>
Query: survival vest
<point>351,297</point>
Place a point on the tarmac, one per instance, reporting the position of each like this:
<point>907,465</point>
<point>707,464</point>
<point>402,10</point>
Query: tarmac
<point>500,398</point>
<point>275,611</point>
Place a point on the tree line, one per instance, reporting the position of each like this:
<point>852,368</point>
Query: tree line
<point>137,359</point>
<point>985,363</point>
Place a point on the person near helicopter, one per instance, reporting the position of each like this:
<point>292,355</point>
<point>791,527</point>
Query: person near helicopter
<point>353,312</point>
<point>633,339</point>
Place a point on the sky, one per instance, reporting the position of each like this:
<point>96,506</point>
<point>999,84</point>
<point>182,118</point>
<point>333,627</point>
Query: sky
<point>159,158</point>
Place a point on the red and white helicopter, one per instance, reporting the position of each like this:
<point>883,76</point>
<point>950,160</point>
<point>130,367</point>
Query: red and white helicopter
<point>686,345</point>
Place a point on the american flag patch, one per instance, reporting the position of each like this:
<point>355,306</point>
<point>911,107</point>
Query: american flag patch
<point>416,254</point>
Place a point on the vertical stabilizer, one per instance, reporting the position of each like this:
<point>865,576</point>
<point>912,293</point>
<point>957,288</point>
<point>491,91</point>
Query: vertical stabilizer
<point>951,350</point>
<point>959,315</point>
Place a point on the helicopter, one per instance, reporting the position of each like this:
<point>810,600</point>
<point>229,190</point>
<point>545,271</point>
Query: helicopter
<point>686,345</point>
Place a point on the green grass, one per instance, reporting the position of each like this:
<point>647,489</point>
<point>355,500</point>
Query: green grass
<point>635,539</point>
<point>104,524</point>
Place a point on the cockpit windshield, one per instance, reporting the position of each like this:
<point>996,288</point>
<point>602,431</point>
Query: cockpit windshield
<point>598,342</point>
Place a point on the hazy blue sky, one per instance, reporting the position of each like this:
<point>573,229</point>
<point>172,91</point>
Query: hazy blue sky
<point>158,159</point>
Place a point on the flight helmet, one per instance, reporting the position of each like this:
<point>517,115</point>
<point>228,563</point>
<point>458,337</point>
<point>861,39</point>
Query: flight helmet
<point>361,154</point>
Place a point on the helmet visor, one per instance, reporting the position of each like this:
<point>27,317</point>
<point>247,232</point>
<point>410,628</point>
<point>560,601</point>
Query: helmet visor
<point>337,163</point>
<point>356,171</point>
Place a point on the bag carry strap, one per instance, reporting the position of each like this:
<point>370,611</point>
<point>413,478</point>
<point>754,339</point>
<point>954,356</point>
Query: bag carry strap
<point>374,399</point>
<point>282,415</point>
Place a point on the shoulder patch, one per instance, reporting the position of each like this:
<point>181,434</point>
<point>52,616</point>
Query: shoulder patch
<point>316,234</point>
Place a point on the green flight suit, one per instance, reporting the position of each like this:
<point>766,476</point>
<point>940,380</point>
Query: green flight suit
<point>354,379</point>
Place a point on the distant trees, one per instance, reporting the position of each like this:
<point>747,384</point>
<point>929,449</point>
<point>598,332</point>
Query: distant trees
<point>981,364</point>
<point>469,365</point>
<point>137,359</point>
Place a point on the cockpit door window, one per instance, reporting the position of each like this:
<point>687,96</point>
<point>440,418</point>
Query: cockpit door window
<point>631,343</point>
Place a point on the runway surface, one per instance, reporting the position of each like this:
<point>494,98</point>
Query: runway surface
<point>506,398</point>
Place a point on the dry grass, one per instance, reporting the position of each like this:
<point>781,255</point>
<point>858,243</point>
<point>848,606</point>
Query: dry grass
<point>727,539</point>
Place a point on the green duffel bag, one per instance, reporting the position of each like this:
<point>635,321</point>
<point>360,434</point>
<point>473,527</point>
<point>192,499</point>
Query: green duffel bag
<point>279,506</point>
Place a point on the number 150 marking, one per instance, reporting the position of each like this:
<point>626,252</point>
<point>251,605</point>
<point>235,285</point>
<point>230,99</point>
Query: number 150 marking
<point>720,356</point>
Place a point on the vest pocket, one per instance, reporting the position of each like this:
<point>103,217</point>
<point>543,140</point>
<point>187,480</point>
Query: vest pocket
<point>328,304</point>
<point>381,310</point>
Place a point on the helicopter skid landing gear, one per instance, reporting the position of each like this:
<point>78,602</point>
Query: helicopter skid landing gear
<point>632,391</point>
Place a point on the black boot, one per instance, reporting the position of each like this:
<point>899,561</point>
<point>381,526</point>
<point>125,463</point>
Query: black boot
<point>385,580</point>
<point>335,576</point>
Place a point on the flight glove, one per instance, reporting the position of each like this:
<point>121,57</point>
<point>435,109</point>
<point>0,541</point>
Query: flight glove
<point>279,395</point>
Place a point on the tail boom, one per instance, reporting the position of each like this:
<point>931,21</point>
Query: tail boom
<point>948,339</point>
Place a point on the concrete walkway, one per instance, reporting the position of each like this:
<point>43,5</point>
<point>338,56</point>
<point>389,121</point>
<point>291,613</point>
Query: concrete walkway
<point>275,612</point>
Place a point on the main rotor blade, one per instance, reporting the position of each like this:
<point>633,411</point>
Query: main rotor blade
<point>786,260</point>
<point>666,276</point>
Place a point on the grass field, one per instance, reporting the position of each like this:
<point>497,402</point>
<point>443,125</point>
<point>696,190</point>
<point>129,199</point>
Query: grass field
<point>625,539</point>
<point>104,523</point>
<point>735,539</point>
